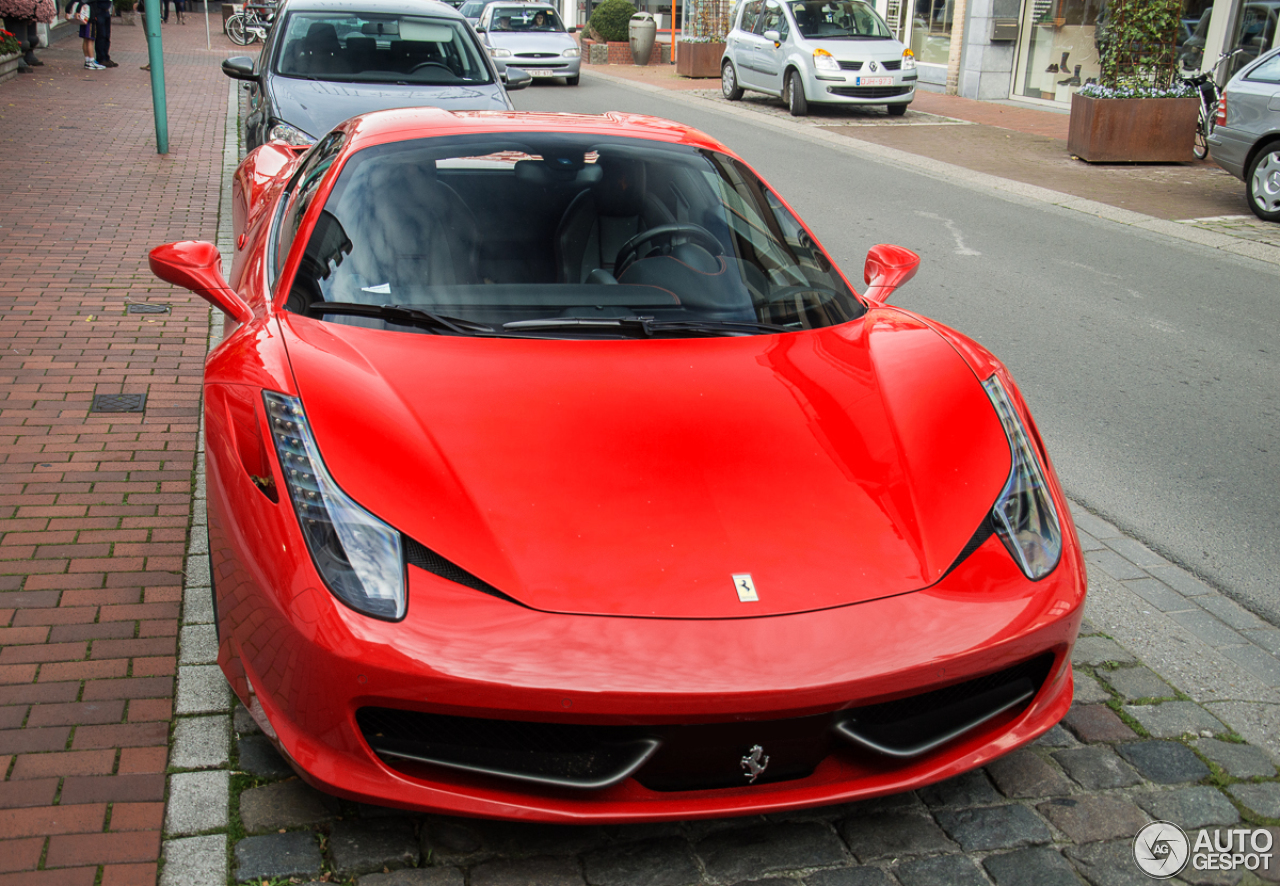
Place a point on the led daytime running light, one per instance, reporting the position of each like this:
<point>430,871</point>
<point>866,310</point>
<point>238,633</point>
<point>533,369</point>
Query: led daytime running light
<point>358,555</point>
<point>1024,514</point>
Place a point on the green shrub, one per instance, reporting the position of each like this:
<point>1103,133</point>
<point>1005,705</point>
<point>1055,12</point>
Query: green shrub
<point>611,20</point>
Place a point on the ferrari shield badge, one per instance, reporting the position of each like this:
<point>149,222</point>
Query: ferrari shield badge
<point>754,763</point>
<point>745,587</point>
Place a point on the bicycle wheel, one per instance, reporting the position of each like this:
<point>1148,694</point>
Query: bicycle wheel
<point>1203,122</point>
<point>239,34</point>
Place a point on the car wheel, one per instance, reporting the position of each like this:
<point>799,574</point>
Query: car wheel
<point>796,102</point>
<point>1263,183</point>
<point>729,82</point>
<point>572,81</point>
<point>897,110</point>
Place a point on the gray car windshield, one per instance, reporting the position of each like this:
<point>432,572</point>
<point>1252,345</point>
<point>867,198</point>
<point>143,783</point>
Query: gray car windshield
<point>525,18</point>
<point>354,47</point>
<point>839,19</point>
<point>561,235</point>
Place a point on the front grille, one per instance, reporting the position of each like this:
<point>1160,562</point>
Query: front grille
<point>892,65</point>
<point>536,54</point>
<point>869,91</point>
<point>694,757</point>
<point>850,66</point>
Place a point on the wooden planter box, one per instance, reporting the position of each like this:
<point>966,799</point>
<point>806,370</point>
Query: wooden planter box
<point>9,66</point>
<point>699,60</point>
<point>1132,130</point>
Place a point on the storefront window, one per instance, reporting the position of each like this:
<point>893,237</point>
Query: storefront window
<point>931,30</point>
<point>1060,49</point>
<point>1255,31</point>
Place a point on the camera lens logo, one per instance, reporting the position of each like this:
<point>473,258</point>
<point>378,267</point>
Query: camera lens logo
<point>1161,849</point>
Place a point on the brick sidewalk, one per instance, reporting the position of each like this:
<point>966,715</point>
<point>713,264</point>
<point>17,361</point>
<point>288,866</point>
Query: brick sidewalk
<point>95,507</point>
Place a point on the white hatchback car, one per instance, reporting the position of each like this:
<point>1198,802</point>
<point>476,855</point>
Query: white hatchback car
<point>817,51</point>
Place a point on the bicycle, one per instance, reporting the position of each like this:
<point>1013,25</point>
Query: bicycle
<point>250,25</point>
<point>1206,86</point>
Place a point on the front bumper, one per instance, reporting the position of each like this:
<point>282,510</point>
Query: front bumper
<point>547,68</point>
<point>305,665</point>
<point>846,87</point>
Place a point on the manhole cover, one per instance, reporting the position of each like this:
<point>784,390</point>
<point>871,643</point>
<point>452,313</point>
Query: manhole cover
<point>147,308</point>
<point>118,403</point>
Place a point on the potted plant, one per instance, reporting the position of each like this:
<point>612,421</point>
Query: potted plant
<point>701,43</point>
<point>1139,110</point>
<point>610,24</point>
<point>10,55</point>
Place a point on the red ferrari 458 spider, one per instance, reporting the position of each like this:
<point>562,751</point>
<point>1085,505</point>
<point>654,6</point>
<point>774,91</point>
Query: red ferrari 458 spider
<point>555,472</point>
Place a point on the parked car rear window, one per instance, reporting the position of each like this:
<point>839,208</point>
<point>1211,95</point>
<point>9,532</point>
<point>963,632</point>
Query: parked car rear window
<point>1267,72</point>
<point>355,47</point>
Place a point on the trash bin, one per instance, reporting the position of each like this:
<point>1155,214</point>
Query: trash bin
<point>642,30</point>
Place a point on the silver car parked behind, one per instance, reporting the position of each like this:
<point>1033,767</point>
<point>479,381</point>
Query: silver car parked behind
<point>817,51</point>
<point>531,37</point>
<point>1246,140</point>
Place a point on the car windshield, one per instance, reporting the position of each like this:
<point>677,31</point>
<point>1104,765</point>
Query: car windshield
<point>355,47</point>
<point>525,18</point>
<point>839,19</point>
<point>473,9</point>
<point>562,235</point>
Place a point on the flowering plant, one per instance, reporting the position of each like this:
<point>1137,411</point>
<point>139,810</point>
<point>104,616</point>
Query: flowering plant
<point>703,39</point>
<point>1137,89</point>
<point>8,43</point>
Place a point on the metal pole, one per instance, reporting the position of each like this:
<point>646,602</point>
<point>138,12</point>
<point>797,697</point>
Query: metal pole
<point>208,41</point>
<point>155,57</point>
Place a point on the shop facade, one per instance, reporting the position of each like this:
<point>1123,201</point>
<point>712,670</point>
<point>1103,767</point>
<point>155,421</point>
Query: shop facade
<point>1043,50</point>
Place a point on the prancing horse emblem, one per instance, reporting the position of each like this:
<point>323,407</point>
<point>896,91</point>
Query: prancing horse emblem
<point>754,763</point>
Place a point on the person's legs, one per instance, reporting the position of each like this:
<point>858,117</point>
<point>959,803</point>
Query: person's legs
<point>164,10</point>
<point>102,32</point>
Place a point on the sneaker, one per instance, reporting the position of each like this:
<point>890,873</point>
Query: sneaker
<point>93,66</point>
<point>110,64</point>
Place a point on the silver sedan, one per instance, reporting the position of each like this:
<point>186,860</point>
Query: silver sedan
<point>1246,140</point>
<point>530,37</point>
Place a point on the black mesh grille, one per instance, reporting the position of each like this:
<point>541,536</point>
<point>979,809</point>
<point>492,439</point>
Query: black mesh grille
<point>689,757</point>
<point>869,91</point>
<point>892,65</point>
<point>851,66</point>
<point>418,554</point>
<point>984,531</point>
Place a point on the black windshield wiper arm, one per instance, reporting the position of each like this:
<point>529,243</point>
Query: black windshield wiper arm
<point>401,315</point>
<point>645,325</point>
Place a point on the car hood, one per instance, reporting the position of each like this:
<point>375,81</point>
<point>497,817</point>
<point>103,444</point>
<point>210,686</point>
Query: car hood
<point>640,477</point>
<point>316,106</point>
<point>545,41</point>
<point>858,50</point>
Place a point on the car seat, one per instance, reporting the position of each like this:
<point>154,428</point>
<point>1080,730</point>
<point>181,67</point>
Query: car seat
<point>605,216</point>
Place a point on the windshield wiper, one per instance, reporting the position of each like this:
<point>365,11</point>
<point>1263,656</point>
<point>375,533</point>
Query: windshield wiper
<point>401,315</point>
<point>647,326</point>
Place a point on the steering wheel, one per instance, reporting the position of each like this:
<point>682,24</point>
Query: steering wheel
<point>420,65</point>
<point>630,250</point>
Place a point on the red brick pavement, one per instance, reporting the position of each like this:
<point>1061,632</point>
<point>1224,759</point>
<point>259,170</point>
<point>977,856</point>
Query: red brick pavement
<point>94,508</point>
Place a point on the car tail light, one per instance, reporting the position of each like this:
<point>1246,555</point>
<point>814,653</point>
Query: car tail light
<point>1221,119</point>
<point>358,556</point>
<point>1024,514</point>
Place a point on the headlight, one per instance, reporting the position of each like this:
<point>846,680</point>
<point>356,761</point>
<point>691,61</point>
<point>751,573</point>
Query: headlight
<point>825,61</point>
<point>1024,515</point>
<point>290,135</point>
<point>573,52</point>
<point>499,52</point>
<point>908,60</point>
<point>358,556</point>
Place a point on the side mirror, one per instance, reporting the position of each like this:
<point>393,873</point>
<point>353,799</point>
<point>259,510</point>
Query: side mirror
<point>888,267</point>
<point>197,266</point>
<point>239,68</point>
<point>773,36</point>
<point>516,78</point>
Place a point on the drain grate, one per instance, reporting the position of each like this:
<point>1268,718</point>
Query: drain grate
<point>119,403</point>
<point>147,308</point>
